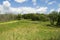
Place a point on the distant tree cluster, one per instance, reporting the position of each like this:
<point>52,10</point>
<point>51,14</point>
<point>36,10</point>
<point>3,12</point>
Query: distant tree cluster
<point>7,17</point>
<point>52,17</point>
<point>36,17</point>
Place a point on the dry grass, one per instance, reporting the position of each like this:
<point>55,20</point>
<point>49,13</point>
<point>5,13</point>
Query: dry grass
<point>28,30</point>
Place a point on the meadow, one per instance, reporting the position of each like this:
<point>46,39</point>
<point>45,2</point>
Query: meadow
<point>28,30</point>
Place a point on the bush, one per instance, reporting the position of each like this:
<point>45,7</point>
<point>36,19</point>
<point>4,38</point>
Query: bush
<point>58,21</point>
<point>53,16</point>
<point>19,16</point>
<point>35,17</point>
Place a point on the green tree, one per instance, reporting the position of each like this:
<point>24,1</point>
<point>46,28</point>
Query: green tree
<point>43,17</point>
<point>53,16</point>
<point>58,21</point>
<point>35,17</point>
<point>19,16</point>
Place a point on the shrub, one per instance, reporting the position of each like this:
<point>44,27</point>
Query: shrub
<point>19,16</point>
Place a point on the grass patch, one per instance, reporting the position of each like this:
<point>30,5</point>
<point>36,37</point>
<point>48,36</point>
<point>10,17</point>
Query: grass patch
<point>28,30</point>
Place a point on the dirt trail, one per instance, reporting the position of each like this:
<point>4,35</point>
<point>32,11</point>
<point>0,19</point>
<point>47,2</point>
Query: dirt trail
<point>9,22</point>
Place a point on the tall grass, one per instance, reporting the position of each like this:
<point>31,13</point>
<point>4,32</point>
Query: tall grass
<point>28,30</point>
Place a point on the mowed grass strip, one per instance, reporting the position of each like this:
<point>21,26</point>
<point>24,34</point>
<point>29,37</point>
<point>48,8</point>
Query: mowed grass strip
<point>28,30</point>
<point>8,22</point>
<point>5,26</point>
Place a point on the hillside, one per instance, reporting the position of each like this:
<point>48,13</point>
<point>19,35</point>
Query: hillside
<point>28,30</point>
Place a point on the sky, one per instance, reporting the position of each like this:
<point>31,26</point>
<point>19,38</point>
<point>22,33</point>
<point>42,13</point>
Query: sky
<point>29,6</point>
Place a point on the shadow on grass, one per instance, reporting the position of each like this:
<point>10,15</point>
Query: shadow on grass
<point>55,37</point>
<point>56,26</point>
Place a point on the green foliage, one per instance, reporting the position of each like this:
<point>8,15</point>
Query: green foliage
<point>27,16</point>
<point>53,16</point>
<point>43,17</point>
<point>19,16</point>
<point>58,22</point>
<point>36,17</point>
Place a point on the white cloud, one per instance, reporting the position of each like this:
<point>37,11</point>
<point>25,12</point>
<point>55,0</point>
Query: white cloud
<point>50,3</point>
<point>1,8</point>
<point>26,10</point>
<point>52,10</point>
<point>30,10</point>
<point>15,10</point>
<point>34,10</point>
<point>20,1</point>
<point>7,8</point>
<point>34,2</point>
<point>42,9</point>
<point>6,3</point>
<point>58,10</point>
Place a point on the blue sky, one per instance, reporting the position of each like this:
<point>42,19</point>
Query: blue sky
<point>25,6</point>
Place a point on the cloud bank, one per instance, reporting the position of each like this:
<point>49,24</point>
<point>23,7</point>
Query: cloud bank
<point>8,9</point>
<point>20,1</point>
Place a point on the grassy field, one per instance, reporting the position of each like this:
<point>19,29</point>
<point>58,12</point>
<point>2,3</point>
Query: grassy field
<point>28,30</point>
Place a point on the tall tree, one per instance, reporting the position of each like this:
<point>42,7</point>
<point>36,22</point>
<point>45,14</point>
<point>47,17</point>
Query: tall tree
<point>58,22</point>
<point>53,16</point>
<point>19,16</point>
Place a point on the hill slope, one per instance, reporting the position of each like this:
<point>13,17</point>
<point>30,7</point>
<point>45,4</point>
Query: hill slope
<point>28,30</point>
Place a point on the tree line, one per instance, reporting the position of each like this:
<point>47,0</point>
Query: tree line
<point>52,17</point>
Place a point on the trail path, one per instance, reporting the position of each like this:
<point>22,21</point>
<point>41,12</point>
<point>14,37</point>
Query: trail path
<point>9,22</point>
